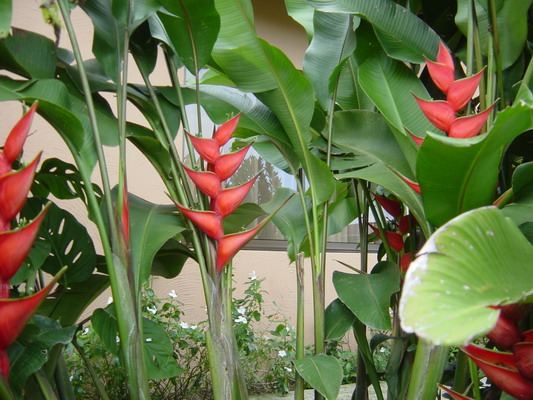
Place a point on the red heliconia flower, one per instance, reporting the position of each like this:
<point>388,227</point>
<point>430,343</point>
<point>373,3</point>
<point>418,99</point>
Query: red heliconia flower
<point>14,248</point>
<point>502,372</point>
<point>527,336</point>
<point>225,131</point>
<point>440,113</point>
<point>461,91</point>
<point>515,312</point>
<point>470,126</point>
<point>208,182</point>
<point>15,140</point>
<point>418,140</point>
<point>412,184</point>
<point>208,221</point>
<point>454,394</point>
<point>393,207</point>
<point>208,149</point>
<point>442,72</point>
<point>14,188</point>
<point>228,164</point>
<point>14,314</point>
<point>229,245</point>
<point>523,355</point>
<point>395,240</point>
<point>403,226</point>
<point>228,200</point>
<point>505,333</point>
<point>405,262</point>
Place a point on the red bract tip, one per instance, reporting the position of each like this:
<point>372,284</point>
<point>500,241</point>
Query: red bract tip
<point>227,164</point>
<point>224,132</point>
<point>440,113</point>
<point>14,314</point>
<point>442,75</point>
<point>394,239</point>
<point>416,139</point>
<point>461,91</point>
<point>412,184</point>
<point>505,333</point>
<point>14,188</point>
<point>229,199</point>
<point>489,356</point>
<point>509,380</point>
<point>405,262</point>
<point>18,134</point>
<point>229,245</point>
<point>516,312</point>
<point>15,246</point>
<point>470,126</point>
<point>453,394</point>
<point>208,149</point>
<point>403,226</point>
<point>393,207</point>
<point>444,57</point>
<point>527,336</point>
<point>207,182</point>
<point>209,222</point>
<point>523,355</point>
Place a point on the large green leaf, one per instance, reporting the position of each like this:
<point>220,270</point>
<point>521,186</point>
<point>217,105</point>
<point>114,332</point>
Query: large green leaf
<point>160,362</point>
<point>104,323</point>
<point>323,373</point>
<point>366,132</point>
<point>70,243</point>
<point>368,295</point>
<point>151,226</point>
<point>33,347</point>
<point>257,67</point>
<point>301,12</point>
<point>28,54</point>
<point>457,175</point>
<point>402,34</point>
<point>523,184</point>
<point>512,21</point>
<point>338,320</point>
<point>192,28</point>
<point>478,259</point>
<point>334,40</point>
<point>391,85</point>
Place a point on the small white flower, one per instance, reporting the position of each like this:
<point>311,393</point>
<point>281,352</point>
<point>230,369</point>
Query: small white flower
<point>241,319</point>
<point>71,377</point>
<point>382,350</point>
<point>194,326</point>
<point>241,310</point>
<point>152,310</point>
<point>85,331</point>
<point>267,337</point>
<point>109,300</point>
<point>148,340</point>
<point>184,325</point>
<point>289,370</point>
<point>282,353</point>
<point>172,294</point>
<point>253,276</point>
<point>117,339</point>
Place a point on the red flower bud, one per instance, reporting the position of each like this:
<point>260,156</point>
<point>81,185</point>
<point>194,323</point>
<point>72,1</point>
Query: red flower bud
<point>523,355</point>
<point>505,333</point>
<point>209,222</point>
<point>227,164</point>
<point>442,75</point>
<point>393,207</point>
<point>229,199</point>
<point>516,312</point>
<point>17,136</point>
<point>224,132</point>
<point>440,113</point>
<point>470,126</point>
<point>461,91</point>
<point>208,149</point>
<point>15,246</point>
<point>14,188</point>
<point>395,240</point>
<point>444,57</point>
<point>207,182</point>
<point>229,245</point>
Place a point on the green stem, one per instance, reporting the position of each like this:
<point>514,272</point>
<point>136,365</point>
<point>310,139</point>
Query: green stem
<point>5,392</point>
<point>61,377</point>
<point>44,385</point>
<point>127,313</point>
<point>479,57</point>
<point>524,85</point>
<point>427,371</point>
<point>300,324</point>
<point>461,371</point>
<point>92,373</point>
<point>497,51</point>
<point>380,224</point>
<point>475,379</point>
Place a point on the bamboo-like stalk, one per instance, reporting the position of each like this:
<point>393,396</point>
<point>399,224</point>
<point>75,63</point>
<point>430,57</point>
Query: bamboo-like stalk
<point>125,303</point>
<point>427,370</point>
<point>460,379</point>
<point>300,320</point>
<point>475,379</point>
<point>497,51</point>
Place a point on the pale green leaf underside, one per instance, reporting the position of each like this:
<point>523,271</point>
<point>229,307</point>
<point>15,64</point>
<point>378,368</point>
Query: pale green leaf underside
<point>476,260</point>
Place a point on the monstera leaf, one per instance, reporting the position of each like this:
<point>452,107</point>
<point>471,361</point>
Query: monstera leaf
<point>478,259</point>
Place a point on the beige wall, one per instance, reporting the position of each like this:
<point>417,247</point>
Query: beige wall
<point>280,282</point>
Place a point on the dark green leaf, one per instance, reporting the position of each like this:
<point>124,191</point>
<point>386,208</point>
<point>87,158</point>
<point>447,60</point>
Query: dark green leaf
<point>6,10</point>
<point>104,323</point>
<point>160,362</point>
<point>323,373</point>
<point>301,12</point>
<point>338,320</point>
<point>523,184</point>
